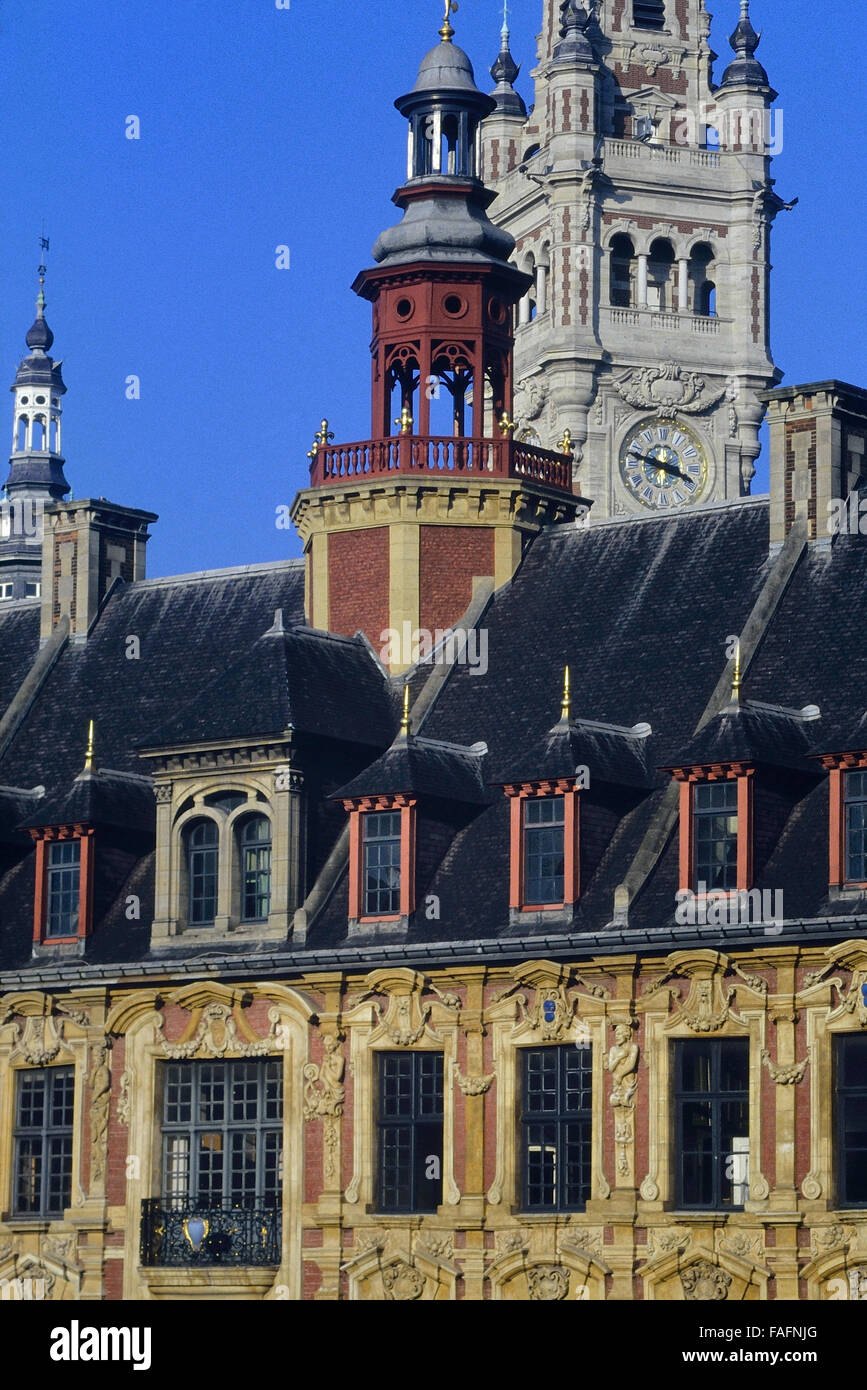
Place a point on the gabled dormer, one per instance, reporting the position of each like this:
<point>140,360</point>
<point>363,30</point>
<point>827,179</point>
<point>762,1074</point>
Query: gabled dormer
<point>843,754</point>
<point>568,794</point>
<point>404,812</point>
<point>740,777</point>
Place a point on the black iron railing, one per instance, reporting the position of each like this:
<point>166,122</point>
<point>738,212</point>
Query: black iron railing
<point>174,1234</point>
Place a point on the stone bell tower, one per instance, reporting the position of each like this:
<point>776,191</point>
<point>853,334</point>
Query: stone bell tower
<point>640,197</point>
<point>399,528</point>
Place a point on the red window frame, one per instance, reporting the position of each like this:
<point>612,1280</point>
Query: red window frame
<point>837,766</point>
<point>519,793</point>
<point>689,777</point>
<point>85,835</point>
<point>358,808</point>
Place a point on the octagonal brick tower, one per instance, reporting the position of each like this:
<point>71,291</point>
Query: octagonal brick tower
<point>399,528</point>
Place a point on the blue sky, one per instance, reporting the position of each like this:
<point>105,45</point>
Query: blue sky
<point>263,127</point>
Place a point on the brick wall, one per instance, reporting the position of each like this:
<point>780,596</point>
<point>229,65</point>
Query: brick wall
<point>358,575</point>
<point>449,558</point>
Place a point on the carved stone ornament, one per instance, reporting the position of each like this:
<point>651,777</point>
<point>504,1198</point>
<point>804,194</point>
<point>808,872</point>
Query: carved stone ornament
<point>402,1283</point>
<point>858,1284</point>
<point>58,1247</point>
<point>548,1283</point>
<point>653,58</point>
<point>705,1283</point>
<point>785,1076</point>
<point>406,1017</point>
<point>622,1064</point>
<point>37,1040</point>
<point>217,1036</point>
<point>100,1098</point>
<point>437,1244</point>
<point>123,1100</point>
<point>666,1240</point>
<point>324,1091</point>
<point>473,1085</point>
<point>742,1244</point>
<point>824,1239</point>
<point>668,389</point>
<point>163,793</point>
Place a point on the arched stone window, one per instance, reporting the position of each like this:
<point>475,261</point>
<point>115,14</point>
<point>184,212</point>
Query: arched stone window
<point>659,275</point>
<point>254,845</point>
<point>621,271</point>
<point>202,852</point>
<point>21,434</point>
<point>701,274</point>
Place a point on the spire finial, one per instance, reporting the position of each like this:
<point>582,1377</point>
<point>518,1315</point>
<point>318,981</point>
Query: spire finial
<point>447,32</point>
<point>404,720</point>
<point>504,32</point>
<point>737,678</point>
<point>40,338</point>
<point>566,707</point>
<point>88,761</point>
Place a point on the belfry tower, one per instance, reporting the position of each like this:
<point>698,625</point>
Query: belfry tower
<point>36,475</point>
<point>397,529</point>
<point>640,198</point>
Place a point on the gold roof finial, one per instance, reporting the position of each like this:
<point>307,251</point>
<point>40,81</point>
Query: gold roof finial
<point>566,446</point>
<point>88,761</point>
<point>404,419</point>
<point>566,708</point>
<point>404,722</point>
<point>737,678</point>
<point>506,425</point>
<point>447,32</point>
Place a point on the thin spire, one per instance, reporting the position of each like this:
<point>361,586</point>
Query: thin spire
<point>566,707</point>
<point>447,32</point>
<point>404,721</point>
<point>88,761</point>
<point>737,678</point>
<point>504,32</point>
<point>40,336</point>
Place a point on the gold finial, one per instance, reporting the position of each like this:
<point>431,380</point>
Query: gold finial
<point>88,761</point>
<point>566,707</point>
<point>737,679</point>
<point>507,425</point>
<point>404,722</point>
<point>566,446</point>
<point>404,419</point>
<point>447,32</point>
<point>324,435</point>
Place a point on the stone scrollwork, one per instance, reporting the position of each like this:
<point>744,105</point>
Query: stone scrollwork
<point>217,1035</point>
<point>705,1283</point>
<point>548,1283</point>
<point>123,1100</point>
<point>622,1065</point>
<point>37,1040</point>
<point>667,389</point>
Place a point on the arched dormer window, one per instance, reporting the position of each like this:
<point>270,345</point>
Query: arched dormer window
<point>203,861</point>
<point>620,273</point>
<point>254,842</point>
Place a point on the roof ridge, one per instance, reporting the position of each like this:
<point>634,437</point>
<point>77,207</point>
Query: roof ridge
<point>200,576</point>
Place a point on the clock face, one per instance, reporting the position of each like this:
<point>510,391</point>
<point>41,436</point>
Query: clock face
<point>663,464</point>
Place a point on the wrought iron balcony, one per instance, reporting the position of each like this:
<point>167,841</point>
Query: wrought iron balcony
<point>172,1234</point>
<point>432,455</point>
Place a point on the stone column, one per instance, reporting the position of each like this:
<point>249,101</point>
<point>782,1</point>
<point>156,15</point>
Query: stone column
<point>683,286</point>
<point>642,282</point>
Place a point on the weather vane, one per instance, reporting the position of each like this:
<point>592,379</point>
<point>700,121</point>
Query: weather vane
<point>447,31</point>
<point>44,245</point>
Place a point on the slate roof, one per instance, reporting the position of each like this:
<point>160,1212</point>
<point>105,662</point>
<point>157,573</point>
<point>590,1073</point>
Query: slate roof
<point>617,756</point>
<point>423,767</point>
<point>643,612</point>
<point>752,733</point>
<point>313,682</point>
<point>19,644</point>
<point>100,798</point>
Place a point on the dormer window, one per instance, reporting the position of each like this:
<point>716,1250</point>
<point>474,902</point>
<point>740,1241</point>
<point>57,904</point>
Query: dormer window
<point>855,802</point>
<point>544,851</point>
<point>63,889</point>
<point>544,846</point>
<point>715,832</point>
<point>716,828</point>
<point>381,863</point>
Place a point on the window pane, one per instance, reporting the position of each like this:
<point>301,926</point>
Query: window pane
<point>62,888</point>
<point>381,863</point>
<point>851,1057</point>
<point>256,869</point>
<point>42,1178</point>
<point>543,850</point>
<point>556,1122</point>
<point>410,1130</point>
<point>712,1134</point>
<point>715,828</point>
<point>203,867</point>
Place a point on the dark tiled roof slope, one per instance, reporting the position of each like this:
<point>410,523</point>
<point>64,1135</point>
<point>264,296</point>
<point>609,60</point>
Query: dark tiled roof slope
<point>19,644</point>
<point>190,630</point>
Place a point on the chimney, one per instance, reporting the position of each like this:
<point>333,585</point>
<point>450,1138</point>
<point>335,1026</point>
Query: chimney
<point>86,546</point>
<point>818,441</point>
